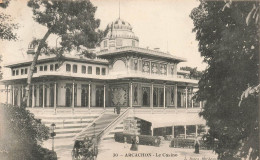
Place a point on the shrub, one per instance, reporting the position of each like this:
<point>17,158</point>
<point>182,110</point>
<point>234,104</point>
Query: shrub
<point>22,135</point>
<point>143,139</point>
<point>188,143</point>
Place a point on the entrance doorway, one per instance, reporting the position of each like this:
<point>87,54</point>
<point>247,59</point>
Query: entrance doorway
<point>99,97</point>
<point>84,95</point>
<point>146,96</point>
<point>68,95</point>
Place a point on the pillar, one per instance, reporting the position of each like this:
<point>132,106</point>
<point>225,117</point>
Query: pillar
<point>33,97</point>
<point>55,97</point>
<point>43,95</point>
<point>175,96</point>
<point>151,130</point>
<point>186,99</point>
<point>6,94</point>
<point>12,95</point>
<point>185,132</point>
<point>104,96</point>
<point>191,98</point>
<point>200,104</point>
<point>164,104</point>
<point>196,131</point>
<point>89,96</point>
<point>73,96</point>
<point>172,131</point>
<point>131,94</point>
<point>152,97</point>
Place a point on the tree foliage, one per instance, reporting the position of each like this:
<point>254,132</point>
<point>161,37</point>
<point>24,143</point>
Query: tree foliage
<point>194,73</point>
<point>230,47</point>
<point>73,21</point>
<point>6,25</point>
<point>22,135</point>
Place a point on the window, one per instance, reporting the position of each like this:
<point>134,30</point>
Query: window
<point>89,69</point>
<point>133,43</point>
<point>13,73</point>
<point>75,68</point>
<point>51,67</point>
<point>83,69</point>
<point>105,43</point>
<point>97,71</point>
<point>25,70</point>
<point>68,67</point>
<point>56,67</point>
<point>41,68</point>
<point>35,70</point>
<point>45,67</point>
<point>17,72</point>
<point>103,71</point>
<point>22,71</point>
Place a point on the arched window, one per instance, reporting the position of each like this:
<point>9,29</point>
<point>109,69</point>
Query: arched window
<point>83,69</point>
<point>75,68</point>
<point>68,67</point>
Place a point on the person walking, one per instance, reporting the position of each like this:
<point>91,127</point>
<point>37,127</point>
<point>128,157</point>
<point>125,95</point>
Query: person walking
<point>133,146</point>
<point>197,146</point>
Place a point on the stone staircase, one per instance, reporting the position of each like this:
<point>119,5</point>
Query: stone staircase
<point>100,123</point>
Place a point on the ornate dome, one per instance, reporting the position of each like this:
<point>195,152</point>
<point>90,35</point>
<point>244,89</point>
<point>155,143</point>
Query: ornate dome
<point>120,24</point>
<point>119,34</point>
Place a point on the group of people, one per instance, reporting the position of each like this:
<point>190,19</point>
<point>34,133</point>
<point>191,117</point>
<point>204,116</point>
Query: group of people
<point>86,149</point>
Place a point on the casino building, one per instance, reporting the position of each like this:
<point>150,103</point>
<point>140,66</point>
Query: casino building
<point>123,75</point>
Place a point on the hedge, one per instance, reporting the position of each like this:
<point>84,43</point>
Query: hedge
<point>188,143</point>
<point>143,139</point>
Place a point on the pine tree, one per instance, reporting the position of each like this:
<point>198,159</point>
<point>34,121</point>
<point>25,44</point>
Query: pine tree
<point>230,47</point>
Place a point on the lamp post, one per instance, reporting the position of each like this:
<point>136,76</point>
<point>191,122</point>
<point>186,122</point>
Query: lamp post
<point>53,134</point>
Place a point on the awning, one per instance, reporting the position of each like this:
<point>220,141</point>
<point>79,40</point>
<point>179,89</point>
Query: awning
<point>178,119</point>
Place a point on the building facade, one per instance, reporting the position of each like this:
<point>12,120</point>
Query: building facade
<point>122,75</point>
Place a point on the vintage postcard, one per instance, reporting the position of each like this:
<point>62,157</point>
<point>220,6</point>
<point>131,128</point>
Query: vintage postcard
<point>129,80</point>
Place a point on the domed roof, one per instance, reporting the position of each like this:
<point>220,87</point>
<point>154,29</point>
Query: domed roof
<point>119,24</point>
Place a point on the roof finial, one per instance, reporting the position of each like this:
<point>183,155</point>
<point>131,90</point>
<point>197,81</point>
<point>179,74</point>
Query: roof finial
<point>119,9</point>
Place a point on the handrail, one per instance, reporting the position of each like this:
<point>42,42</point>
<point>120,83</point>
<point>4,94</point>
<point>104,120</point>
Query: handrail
<point>112,123</point>
<point>89,125</point>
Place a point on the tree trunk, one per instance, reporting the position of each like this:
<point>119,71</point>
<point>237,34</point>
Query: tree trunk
<point>31,70</point>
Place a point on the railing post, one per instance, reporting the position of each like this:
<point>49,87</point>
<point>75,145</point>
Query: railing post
<point>73,96</point>
<point>196,130</point>
<point>164,104</point>
<point>185,132</point>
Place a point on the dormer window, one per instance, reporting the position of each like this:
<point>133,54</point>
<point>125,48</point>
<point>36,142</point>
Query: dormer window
<point>17,72</point>
<point>97,71</point>
<point>22,71</point>
<point>25,71</point>
<point>119,42</point>
<point>41,68</point>
<point>13,73</point>
<point>45,67</point>
<point>83,69</point>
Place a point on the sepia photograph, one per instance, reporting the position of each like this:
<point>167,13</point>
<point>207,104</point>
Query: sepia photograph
<point>129,79</point>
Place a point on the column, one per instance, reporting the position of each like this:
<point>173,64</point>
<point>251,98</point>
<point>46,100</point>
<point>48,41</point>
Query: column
<point>6,94</point>
<point>186,99</point>
<point>191,97</point>
<point>89,96</point>
<point>152,97</point>
<point>29,95</point>
<point>151,130</point>
<point>13,95</point>
<point>43,95</point>
<point>164,104</point>
<point>55,97</point>
<point>196,131</point>
<point>22,93</point>
<point>131,94</point>
<point>200,104</point>
<point>172,131</point>
<point>73,96</point>
<point>185,132</point>
<point>175,96</point>
<point>104,96</point>
<point>33,97</point>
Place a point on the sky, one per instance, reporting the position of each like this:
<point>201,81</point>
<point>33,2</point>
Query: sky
<point>163,24</point>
